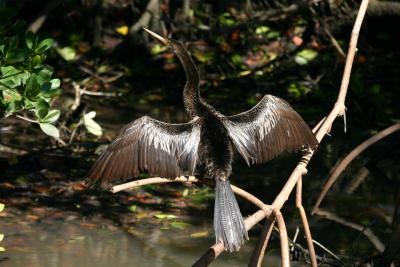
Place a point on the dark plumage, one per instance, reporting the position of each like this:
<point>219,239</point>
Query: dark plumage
<point>205,143</point>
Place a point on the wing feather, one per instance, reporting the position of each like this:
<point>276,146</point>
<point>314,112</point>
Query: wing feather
<point>163,149</point>
<point>269,128</point>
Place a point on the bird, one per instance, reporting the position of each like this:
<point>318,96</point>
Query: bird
<point>205,144</point>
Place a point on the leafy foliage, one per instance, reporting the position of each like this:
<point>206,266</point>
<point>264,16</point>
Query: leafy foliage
<point>26,83</point>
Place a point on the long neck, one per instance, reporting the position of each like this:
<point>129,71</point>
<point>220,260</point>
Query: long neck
<point>191,94</point>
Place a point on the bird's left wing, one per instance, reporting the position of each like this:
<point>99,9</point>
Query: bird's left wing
<point>269,128</point>
<point>163,149</point>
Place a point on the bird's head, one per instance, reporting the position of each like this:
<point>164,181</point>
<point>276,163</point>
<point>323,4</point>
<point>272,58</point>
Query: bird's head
<point>169,43</point>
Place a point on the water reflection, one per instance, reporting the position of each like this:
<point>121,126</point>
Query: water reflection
<point>81,242</point>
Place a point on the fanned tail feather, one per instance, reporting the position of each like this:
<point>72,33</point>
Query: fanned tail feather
<point>228,221</point>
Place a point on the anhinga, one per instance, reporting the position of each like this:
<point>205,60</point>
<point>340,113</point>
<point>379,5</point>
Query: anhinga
<point>205,142</point>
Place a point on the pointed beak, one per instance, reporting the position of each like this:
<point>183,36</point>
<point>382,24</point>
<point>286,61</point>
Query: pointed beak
<point>158,37</point>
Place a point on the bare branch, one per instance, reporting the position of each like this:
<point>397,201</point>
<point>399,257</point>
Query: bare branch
<point>364,230</point>
<point>191,179</point>
<point>303,216</point>
<point>259,251</point>
<point>350,157</point>
<point>144,20</point>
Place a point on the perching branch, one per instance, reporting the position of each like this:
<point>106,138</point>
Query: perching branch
<point>337,110</point>
<point>191,179</point>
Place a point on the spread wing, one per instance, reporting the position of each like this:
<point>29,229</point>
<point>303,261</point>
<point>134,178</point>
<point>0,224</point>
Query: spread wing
<point>269,128</point>
<point>163,149</point>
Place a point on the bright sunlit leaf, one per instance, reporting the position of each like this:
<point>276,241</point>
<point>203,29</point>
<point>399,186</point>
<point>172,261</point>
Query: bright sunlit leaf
<point>67,53</point>
<point>50,130</point>
<point>165,216</point>
<point>305,56</point>
<point>92,126</point>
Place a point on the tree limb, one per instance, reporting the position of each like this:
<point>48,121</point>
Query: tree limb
<point>350,157</point>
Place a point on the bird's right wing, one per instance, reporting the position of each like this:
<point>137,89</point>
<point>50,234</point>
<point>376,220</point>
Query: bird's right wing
<point>270,127</point>
<point>163,149</point>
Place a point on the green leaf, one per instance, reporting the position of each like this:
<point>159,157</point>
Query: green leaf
<point>41,108</point>
<point>12,107</point>
<point>305,56</point>
<point>55,83</point>
<point>44,45</point>
<point>11,96</point>
<point>51,116</point>
<point>32,87</point>
<point>44,74</point>
<point>16,56</point>
<point>133,208</point>
<point>262,29</point>
<point>1,237</point>
<point>2,206</point>
<point>28,104</point>
<point>157,49</point>
<point>2,249</point>
<point>273,35</point>
<point>50,130</point>
<point>31,40</point>
<point>92,126</point>
<point>204,56</point>
<point>237,59</point>
<point>67,53</point>
<point>165,216</point>
<point>226,19</point>
<point>36,60</point>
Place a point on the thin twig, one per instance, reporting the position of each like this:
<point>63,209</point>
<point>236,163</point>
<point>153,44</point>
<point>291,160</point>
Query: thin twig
<point>362,229</point>
<point>26,119</point>
<point>350,157</point>
<point>86,92</point>
<point>327,250</point>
